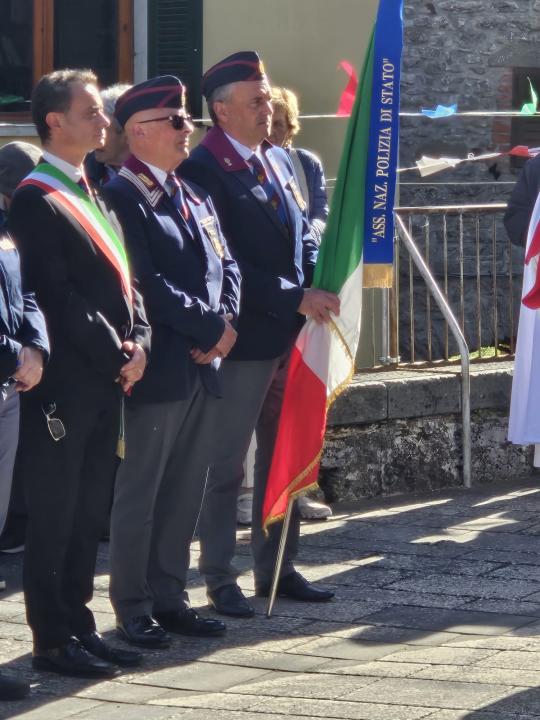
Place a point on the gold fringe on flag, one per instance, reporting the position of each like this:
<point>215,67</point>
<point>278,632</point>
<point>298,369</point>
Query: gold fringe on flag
<point>377,275</point>
<point>290,489</point>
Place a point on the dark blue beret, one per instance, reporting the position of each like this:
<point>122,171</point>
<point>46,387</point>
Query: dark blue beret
<point>164,91</point>
<point>239,67</point>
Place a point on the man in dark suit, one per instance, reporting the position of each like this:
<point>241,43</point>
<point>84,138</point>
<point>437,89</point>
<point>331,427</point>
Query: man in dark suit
<point>75,262</point>
<point>262,213</point>
<point>191,286</point>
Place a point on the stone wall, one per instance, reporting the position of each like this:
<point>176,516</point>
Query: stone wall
<point>401,431</point>
<point>415,455</point>
<point>464,52</point>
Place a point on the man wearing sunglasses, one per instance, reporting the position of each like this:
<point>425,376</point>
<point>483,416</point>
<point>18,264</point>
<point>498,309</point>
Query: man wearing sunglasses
<point>190,286</point>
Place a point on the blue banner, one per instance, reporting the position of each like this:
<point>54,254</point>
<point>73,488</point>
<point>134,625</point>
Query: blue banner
<point>383,145</point>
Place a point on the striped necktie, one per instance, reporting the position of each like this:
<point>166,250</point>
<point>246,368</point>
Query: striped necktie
<point>268,187</point>
<point>174,188</point>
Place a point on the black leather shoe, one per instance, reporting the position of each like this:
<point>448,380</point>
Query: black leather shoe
<point>230,600</point>
<point>189,622</point>
<point>144,631</point>
<point>296,587</point>
<point>73,659</point>
<point>95,644</point>
<point>11,689</point>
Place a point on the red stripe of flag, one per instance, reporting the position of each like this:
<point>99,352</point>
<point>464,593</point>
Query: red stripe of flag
<point>304,406</point>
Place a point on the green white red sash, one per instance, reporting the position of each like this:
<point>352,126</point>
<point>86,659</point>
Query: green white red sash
<point>78,204</point>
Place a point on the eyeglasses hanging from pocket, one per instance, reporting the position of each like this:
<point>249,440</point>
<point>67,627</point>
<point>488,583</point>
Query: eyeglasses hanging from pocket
<point>54,425</point>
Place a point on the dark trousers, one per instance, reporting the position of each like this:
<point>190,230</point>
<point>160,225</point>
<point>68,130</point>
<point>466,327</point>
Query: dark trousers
<point>252,398</point>
<point>68,489</point>
<point>157,498</point>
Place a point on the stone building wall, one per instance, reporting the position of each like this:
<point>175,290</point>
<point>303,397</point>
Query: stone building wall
<point>466,52</point>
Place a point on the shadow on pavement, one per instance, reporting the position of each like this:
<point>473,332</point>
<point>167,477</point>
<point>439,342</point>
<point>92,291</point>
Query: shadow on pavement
<point>437,608</point>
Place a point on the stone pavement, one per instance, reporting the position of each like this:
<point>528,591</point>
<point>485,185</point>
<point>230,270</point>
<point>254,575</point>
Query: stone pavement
<point>437,615</point>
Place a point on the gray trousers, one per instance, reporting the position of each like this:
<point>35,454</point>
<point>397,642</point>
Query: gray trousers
<point>252,398</point>
<point>9,435</point>
<point>158,493</point>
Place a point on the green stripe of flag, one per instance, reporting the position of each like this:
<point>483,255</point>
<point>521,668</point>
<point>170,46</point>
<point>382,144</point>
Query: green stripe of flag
<point>341,248</point>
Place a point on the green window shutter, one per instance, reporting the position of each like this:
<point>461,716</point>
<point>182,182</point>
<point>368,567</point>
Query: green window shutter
<point>175,44</point>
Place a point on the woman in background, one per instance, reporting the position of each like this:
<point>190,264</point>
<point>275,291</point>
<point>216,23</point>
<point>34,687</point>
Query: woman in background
<point>308,167</point>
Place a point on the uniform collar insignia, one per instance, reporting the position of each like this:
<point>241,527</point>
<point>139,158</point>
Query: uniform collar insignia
<point>146,180</point>
<point>140,175</point>
<point>217,143</point>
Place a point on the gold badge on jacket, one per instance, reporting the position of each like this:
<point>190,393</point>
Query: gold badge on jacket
<point>297,194</point>
<point>209,226</point>
<point>146,180</point>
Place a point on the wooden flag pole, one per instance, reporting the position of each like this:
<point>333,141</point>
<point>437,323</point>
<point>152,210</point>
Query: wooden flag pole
<point>279,559</point>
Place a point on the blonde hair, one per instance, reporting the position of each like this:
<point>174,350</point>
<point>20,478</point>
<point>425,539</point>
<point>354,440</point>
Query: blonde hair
<point>287,101</point>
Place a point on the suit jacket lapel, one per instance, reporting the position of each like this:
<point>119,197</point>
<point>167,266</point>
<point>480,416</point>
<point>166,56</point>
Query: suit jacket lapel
<point>177,216</point>
<point>247,178</point>
<point>217,143</point>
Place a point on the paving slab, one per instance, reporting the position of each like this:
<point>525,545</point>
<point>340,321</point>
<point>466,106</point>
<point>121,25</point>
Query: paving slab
<point>430,693</point>
<point>461,621</point>
<point>344,709</point>
<point>436,615</point>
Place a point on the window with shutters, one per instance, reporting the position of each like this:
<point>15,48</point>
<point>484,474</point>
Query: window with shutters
<point>175,44</point>
<point>38,36</point>
<point>525,130</point>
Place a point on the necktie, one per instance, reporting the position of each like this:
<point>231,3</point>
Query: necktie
<point>174,188</point>
<point>268,187</point>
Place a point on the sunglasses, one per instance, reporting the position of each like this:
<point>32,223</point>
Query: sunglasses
<point>54,425</point>
<point>177,121</point>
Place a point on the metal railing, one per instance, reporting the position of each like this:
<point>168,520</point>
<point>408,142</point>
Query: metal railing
<point>478,271</point>
<point>453,325</point>
<point>458,279</point>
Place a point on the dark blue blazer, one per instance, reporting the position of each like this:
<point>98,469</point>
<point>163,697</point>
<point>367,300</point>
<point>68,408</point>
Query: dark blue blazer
<point>185,274</point>
<point>21,321</point>
<point>276,261</point>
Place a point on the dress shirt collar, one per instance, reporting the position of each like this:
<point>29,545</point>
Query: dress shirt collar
<point>244,151</point>
<point>73,172</point>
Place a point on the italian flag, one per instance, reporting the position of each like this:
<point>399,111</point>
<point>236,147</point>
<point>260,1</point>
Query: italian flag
<point>322,360</point>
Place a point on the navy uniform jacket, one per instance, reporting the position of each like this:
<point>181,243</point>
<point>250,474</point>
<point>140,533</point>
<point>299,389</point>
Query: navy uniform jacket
<point>521,202</point>
<point>186,276</point>
<point>21,321</point>
<point>276,262</point>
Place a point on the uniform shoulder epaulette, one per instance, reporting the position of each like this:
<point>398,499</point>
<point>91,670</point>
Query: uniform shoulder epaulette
<point>151,191</point>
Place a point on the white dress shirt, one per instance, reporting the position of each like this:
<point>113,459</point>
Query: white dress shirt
<point>72,171</point>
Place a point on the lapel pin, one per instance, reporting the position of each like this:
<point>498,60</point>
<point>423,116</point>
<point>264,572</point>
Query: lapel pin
<point>227,161</point>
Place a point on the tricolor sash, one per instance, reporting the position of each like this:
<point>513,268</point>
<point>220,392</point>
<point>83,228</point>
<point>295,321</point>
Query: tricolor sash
<point>69,196</point>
